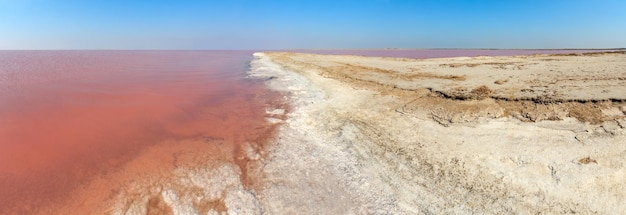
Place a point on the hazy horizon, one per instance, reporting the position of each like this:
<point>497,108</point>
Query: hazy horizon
<point>310,49</point>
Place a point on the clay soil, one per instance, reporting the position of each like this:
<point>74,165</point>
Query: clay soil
<point>520,134</point>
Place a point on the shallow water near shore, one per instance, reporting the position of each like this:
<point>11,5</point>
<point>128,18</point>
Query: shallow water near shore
<point>134,132</point>
<point>69,118</point>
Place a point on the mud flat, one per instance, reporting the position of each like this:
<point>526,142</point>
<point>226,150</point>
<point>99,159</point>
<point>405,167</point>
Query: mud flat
<point>521,134</point>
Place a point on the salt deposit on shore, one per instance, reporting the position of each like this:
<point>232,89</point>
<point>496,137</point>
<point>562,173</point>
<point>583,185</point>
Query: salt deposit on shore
<point>523,134</point>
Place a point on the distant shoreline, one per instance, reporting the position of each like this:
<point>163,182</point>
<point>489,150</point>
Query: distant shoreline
<point>330,49</point>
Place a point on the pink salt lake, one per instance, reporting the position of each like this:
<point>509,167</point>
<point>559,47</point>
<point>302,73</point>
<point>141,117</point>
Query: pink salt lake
<point>69,117</point>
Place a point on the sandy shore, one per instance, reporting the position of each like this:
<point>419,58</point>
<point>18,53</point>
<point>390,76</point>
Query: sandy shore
<point>522,134</point>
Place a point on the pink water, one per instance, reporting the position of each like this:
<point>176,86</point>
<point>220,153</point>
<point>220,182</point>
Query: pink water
<point>67,117</point>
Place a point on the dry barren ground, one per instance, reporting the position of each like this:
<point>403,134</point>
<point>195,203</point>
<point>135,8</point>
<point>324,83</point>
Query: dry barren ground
<point>523,134</point>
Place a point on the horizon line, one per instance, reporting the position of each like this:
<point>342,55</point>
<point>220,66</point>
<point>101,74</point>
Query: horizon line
<point>328,49</point>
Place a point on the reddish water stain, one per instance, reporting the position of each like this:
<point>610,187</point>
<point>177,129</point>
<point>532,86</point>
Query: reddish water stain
<point>69,116</point>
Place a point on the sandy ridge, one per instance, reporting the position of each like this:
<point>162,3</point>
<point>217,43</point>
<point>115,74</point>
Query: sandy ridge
<point>421,145</point>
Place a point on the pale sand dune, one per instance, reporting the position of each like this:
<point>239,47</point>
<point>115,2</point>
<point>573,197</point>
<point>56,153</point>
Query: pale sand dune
<point>524,134</point>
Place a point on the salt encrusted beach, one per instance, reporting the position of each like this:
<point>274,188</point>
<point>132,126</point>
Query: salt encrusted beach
<point>345,134</point>
<point>523,134</point>
<point>312,107</point>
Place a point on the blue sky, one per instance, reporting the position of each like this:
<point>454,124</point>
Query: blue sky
<point>281,24</point>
